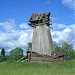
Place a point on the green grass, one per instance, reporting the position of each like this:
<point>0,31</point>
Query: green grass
<point>25,68</point>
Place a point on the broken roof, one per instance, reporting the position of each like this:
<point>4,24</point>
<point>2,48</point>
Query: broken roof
<point>38,16</point>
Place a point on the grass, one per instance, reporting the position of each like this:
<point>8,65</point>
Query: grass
<point>25,68</point>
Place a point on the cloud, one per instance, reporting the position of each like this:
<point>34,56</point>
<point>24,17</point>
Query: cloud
<point>20,37</point>
<point>58,26</point>
<point>65,35</point>
<point>69,3</point>
<point>24,26</point>
<point>12,37</point>
<point>54,19</point>
<point>16,38</point>
<point>8,25</point>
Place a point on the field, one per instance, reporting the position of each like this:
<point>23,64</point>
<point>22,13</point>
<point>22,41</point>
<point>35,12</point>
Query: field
<point>25,68</point>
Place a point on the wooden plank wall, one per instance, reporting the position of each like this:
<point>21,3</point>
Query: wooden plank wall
<point>43,58</point>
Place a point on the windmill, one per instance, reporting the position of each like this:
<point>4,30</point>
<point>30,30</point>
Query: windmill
<point>42,41</point>
<point>42,44</point>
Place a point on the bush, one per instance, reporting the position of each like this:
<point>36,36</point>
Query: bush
<point>16,54</point>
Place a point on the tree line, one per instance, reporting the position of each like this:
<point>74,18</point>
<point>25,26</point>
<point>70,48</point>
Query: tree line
<point>17,53</point>
<point>65,48</point>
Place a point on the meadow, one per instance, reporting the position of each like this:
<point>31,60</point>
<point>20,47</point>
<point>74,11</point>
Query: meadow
<point>38,68</point>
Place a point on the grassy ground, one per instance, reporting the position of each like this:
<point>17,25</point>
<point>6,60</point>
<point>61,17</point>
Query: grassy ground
<point>25,68</point>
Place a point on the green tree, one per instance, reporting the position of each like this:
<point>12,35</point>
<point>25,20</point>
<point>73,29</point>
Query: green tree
<point>3,54</point>
<point>68,50</point>
<point>29,47</point>
<point>56,47</point>
<point>16,54</point>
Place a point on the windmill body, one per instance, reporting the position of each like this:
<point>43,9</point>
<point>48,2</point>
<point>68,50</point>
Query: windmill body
<point>42,41</point>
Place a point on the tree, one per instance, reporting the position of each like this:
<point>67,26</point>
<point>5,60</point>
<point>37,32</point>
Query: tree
<point>3,54</point>
<point>56,47</point>
<point>68,50</point>
<point>29,46</point>
<point>16,54</point>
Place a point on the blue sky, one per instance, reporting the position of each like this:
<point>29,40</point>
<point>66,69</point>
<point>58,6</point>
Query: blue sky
<point>15,14</point>
<point>20,10</point>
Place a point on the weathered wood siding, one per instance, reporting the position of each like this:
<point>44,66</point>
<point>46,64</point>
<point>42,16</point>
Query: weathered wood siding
<point>42,40</point>
<point>44,58</point>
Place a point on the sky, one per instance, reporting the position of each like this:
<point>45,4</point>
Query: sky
<point>15,15</point>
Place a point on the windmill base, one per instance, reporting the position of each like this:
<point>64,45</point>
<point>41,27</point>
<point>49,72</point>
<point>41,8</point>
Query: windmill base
<point>35,57</point>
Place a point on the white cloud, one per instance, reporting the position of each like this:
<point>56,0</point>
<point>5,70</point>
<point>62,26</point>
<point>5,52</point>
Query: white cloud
<point>20,38</point>
<point>65,35</point>
<point>24,26</point>
<point>69,3</point>
<point>54,19</point>
<point>59,26</point>
<point>14,37</point>
<point>8,25</point>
